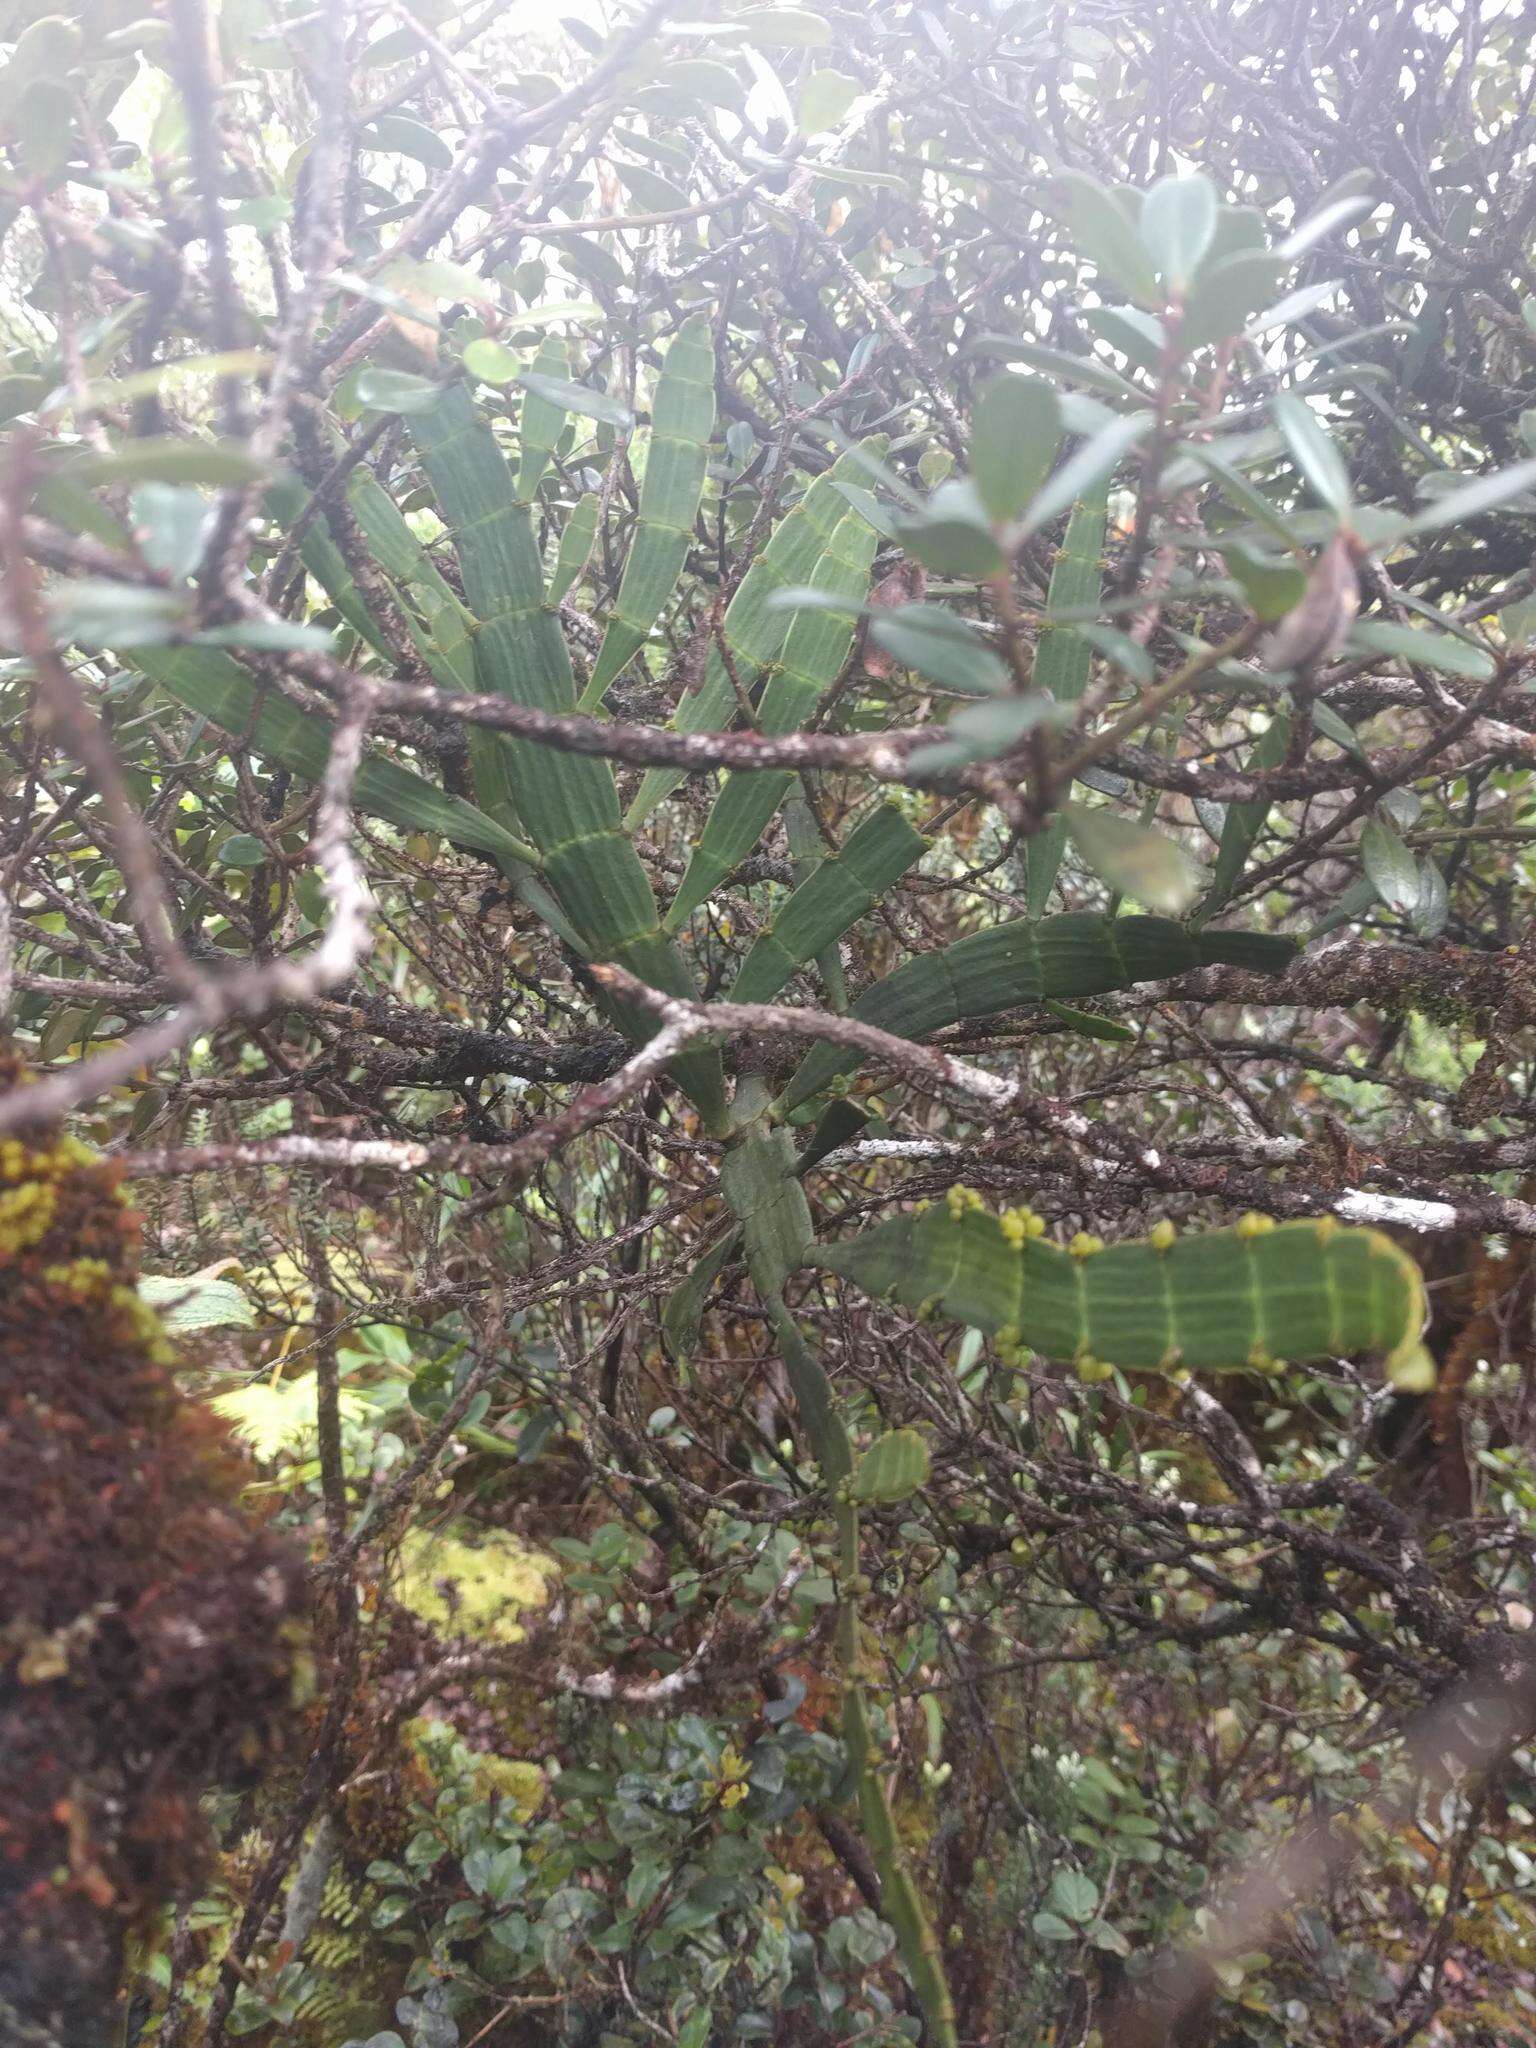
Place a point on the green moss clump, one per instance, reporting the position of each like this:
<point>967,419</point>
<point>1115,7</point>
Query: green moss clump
<point>472,1587</point>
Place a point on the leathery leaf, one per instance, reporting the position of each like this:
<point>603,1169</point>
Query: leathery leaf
<point>894,1466</point>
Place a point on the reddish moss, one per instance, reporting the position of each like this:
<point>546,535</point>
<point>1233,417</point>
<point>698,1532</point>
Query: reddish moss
<point>144,1640</point>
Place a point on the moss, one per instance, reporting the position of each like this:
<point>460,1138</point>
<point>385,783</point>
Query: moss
<point>520,1785</point>
<point>148,1642</point>
<point>26,1216</point>
<point>475,1587</point>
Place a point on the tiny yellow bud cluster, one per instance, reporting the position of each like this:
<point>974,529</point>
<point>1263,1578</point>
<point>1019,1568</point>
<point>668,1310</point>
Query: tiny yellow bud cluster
<point>1021,1223</point>
<point>1084,1244</point>
<point>1162,1235</point>
<point>961,1198</point>
<point>1253,1224</point>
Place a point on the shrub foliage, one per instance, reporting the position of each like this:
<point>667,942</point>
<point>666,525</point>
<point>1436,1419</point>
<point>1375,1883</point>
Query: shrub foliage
<point>767,778</point>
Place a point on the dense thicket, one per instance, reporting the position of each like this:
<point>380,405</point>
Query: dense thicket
<point>768,772</point>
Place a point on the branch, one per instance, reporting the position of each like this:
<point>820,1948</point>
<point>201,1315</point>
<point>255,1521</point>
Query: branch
<point>921,1063</point>
<point>251,991</point>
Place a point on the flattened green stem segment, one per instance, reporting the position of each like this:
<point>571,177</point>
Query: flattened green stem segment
<point>1064,659</point>
<point>759,1182</point>
<point>757,1178</point>
<point>1078,954</point>
<point>213,685</point>
<point>285,501</point>
<point>1219,1301</point>
<point>808,852</point>
<point>839,891</point>
<point>442,628</point>
<point>443,631</point>
<point>815,649</point>
<point>682,420</point>
<point>569,805</point>
<point>753,631</point>
<point>900,1900</point>
<point>1244,822</point>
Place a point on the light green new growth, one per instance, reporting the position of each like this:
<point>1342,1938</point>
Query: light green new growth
<point>1223,1300</point>
<point>682,420</point>
<point>815,649</point>
<point>753,630</point>
<point>575,549</point>
<point>1080,953</point>
<point>541,422</point>
<point>1063,660</point>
